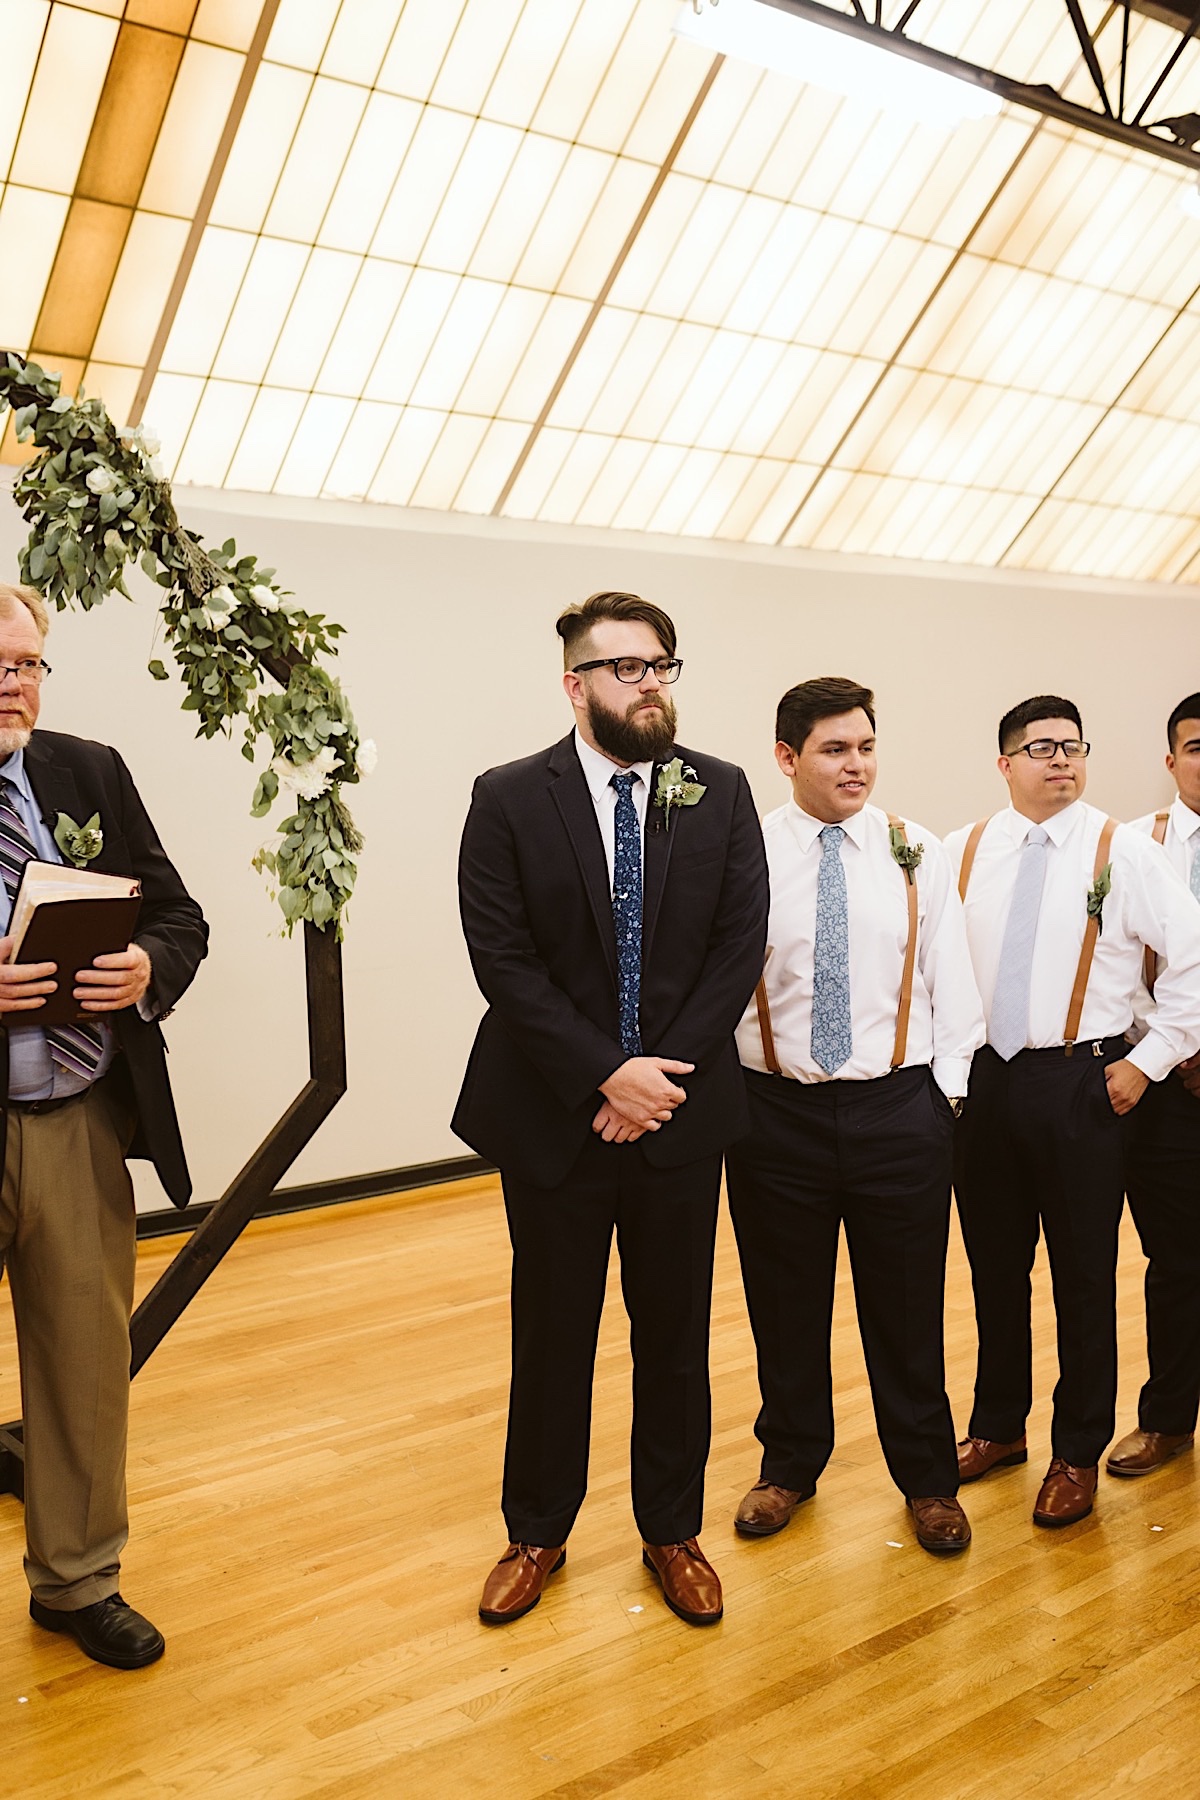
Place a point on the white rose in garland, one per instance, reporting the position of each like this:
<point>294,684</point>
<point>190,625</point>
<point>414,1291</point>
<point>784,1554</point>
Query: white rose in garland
<point>96,499</point>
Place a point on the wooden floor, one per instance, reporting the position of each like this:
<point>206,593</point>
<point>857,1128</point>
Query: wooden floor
<point>314,1470</point>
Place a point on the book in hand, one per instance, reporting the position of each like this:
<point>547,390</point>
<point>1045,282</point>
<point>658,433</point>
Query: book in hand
<point>70,917</point>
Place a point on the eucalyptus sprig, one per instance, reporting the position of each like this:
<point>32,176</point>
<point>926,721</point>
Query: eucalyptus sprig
<point>96,498</point>
<point>907,855</point>
<point>1098,893</point>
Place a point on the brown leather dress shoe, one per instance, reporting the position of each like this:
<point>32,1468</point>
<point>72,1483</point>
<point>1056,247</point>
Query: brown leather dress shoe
<point>689,1582</point>
<point>767,1508</point>
<point>941,1524</point>
<point>1141,1452</point>
<point>515,1585</point>
<point>1066,1494</point>
<point>977,1457</point>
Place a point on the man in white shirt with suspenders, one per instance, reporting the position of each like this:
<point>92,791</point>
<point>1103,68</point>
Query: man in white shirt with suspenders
<point>1061,905</point>
<point>1163,1175</point>
<point>856,1053</point>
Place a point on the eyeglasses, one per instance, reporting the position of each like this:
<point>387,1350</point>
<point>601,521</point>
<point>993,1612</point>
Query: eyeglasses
<point>632,669</point>
<point>30,673</point>
<point>1042,749</point>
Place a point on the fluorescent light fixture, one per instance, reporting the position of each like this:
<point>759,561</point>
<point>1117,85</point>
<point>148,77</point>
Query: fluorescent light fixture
<point>827,58</point>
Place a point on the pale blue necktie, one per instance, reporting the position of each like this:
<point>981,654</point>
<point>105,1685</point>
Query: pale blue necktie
<point>627,911</point>
<point>832,1038</point>
<point>1009,1027</point>
<point>1194,878</point>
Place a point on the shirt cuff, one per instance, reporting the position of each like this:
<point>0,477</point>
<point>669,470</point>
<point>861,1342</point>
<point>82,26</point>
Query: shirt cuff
<point>148,1007</point>
<point>951,1074</point>
<point>1153,1057</point>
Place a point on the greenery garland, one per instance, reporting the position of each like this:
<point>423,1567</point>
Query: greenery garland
<point>96,498</point>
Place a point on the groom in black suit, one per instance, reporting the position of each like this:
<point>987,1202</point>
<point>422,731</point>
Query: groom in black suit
<point>614,899</point>
<point>74,1102</point>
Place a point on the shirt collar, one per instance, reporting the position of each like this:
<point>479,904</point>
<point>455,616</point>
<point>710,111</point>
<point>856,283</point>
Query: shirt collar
<point>599,770</point>
<point>807,830</point>
<point>1185,821</point>
<point>13,769</point>
<point>1058,828</point>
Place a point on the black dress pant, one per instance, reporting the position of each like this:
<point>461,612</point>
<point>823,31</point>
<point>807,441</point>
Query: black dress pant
<point>1163,1182</point>
<point>877,1155</point>
<point>665,1222</point>
<point>1040,1148</point>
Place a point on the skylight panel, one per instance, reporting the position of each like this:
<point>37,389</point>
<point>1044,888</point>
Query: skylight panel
<point>260,309</point>
<point>496,455</point>
<point>368,172</point>
<point>528,61</point>
<point>314,445</point>
<point>486,160</point>
<point>223,410</point>
<point>449,461</point>
<point>30,226</point>
<point>191,129</point>
<point>312,319</point>
<point>318,151</point>
<point>208,299</point>
<point>363,326</point>
<point>426,176</point>
<point>140,288</point>
<point>472,57</point>
<point>404,462</point>
<point>22,25</point>
<point>265,439</point>
<point>419,44</point>
<point>359,40</point>
<point>527,186</point>
<point>74,59</point>
<point>361,450</point>
<point>260,147</point>
<point>301,32</point>
<point>418,320</point>
<point>582,66</point>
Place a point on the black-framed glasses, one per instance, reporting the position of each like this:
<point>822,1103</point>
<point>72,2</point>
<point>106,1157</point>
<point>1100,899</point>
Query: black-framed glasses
<point>1042,749</point>
<point>30,672</point>
<point>632,669</point>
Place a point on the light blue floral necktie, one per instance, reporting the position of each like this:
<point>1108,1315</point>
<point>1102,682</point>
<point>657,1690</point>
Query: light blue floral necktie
<point>832,1038</point>
<point>627,911</point>
<point>1194,878</point>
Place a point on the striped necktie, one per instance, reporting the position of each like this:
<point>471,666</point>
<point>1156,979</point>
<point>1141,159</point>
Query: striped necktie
<point>77,1048</point>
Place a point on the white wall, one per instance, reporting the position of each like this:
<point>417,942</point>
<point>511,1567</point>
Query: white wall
<point>451,664</point>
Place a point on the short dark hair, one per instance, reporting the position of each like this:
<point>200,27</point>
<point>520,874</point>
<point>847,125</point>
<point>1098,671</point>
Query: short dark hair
<point>806,704</point>
<point>1042,706</point>
<point>574,625</point>
<point>1187,709</point>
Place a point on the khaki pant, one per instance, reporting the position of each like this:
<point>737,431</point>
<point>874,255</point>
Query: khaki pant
<point>67,1238</point>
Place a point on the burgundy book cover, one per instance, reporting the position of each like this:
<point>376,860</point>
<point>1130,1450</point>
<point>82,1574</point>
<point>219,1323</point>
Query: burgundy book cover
<point>73,933</point>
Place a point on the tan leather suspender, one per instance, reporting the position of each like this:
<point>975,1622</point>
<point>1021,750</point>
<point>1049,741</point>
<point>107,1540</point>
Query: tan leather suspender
<point>900,1047</point>
<point>1160,837</point>
<point>1091,930</point>
<point>910,955</point>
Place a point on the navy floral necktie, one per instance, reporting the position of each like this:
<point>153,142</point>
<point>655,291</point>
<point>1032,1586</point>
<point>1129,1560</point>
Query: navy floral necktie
<point>627,911</point>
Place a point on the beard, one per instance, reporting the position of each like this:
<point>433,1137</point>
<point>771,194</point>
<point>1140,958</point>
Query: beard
<point>628,738</point>
<point>14,737</point>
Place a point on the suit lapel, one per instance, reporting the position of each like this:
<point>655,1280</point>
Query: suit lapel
<point>570,793</point>
<point>52,782</point>
<point>659,842</point>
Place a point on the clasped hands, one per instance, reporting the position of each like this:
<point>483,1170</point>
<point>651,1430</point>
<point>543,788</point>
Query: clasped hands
<point>113,982</point>
<point>639,1097</point>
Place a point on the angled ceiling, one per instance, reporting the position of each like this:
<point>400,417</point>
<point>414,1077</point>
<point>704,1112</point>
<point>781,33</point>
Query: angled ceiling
<point>543,258</point>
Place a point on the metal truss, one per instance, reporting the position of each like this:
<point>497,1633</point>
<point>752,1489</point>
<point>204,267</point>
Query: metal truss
<point>1120,115</point>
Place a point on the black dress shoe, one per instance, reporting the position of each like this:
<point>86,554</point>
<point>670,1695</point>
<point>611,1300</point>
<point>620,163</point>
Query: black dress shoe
<point>110,1631</point>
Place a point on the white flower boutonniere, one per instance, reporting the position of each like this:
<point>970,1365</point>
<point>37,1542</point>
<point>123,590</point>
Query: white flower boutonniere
<point>677,786</point>
<point>78,843</point>
<point>907,855</point>
<point>1097,894</point>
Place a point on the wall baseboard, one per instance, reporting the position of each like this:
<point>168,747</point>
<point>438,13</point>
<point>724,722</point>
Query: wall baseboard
<point>168,1221</point>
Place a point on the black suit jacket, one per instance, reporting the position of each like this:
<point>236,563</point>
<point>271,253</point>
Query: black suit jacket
<point>537,912</point>
<point>78,777</point>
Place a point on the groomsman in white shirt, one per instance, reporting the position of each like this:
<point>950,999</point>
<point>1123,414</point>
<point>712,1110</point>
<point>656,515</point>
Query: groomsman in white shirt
<point>1163,1175</point>
<point>856,1054</point>
<point>1061,905</point>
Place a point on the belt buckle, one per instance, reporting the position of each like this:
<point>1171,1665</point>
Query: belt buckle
<point>1097,1048</point>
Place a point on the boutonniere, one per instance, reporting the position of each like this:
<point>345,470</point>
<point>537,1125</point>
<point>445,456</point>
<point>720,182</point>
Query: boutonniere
<point>677,786</point>
<point>907,855</point>
<point>1097,894</point>
<point>78,843</point>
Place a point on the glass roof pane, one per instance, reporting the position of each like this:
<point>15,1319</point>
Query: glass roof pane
<point>484,33</point>
<point>140,288</point>
<point>319,148</point>
<point>419,46</point>
<point>361,450</point>
<point>563,218</point>
<point>684,493</point>
<point>360,38</point>
<point>452,353</point>
<point>191,128</point>
<point>546,354</point>
<point>486,160</point>
<point>314,445</point>
<point>265,439</point>
<point>313,319</point>
<point>22,23</point>
<point>300,32</point>
<point>449,461</point>
<point>621,469</point>
<point>73,63</point>
<point>370,168</point>
<point>170,410</point>
<point>227,22</point>
<point>495,457</point>
<point>424,179</point>
<point>260,309</point>
<point>527,187</point>
<point>363,326</point>
<point>654,478</point>
<point>528,61</point>
<point>223,410</point>
<point>115,386</point>
<point>587,54</point>
<point>30,227</point>
<point>423,306</point>
<point>761,479</point>
<point>208,299</point>
<point>570,488</point>
<point>260,147</point>
<point>412,443</point>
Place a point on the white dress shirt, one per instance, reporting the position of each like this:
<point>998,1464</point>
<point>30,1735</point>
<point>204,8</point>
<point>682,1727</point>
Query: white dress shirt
<point>946,1023</point>
<point>1182,846</point>
<point>1148,905</point>
<point>598,772</point>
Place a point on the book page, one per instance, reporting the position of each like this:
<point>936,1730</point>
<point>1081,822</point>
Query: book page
<point>43,883</point>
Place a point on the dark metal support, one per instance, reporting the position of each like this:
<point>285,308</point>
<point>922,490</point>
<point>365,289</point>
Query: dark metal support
<point>1037,97</point>
<point>1089,54</point>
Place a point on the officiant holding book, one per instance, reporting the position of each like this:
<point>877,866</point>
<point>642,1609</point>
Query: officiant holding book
<point>80,1096</point>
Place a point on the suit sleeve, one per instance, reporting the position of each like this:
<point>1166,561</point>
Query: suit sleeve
<point>572,1054</point>
<point>737,943</point>
<point>171,927</point>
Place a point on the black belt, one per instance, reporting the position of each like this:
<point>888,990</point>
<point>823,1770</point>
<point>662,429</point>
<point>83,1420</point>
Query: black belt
<point>48,1106</point>
<point>1085,1047</point>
